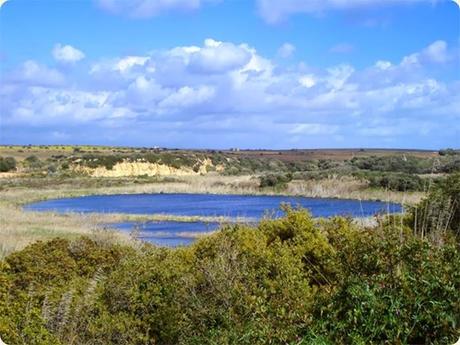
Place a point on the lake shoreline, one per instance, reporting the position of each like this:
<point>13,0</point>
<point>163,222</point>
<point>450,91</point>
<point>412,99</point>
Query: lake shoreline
<point>21,228</point>
<point>177,212</point>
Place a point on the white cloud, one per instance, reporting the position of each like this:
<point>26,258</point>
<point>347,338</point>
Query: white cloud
<point>231,85</point>
<point>128,62</point>
<point>338,76</point>
<point>33,73</point>
<point>383,65</point>
<point>149,8</point>
<point>274,11</point>
<point>286,50</point>
<point>436,53</point>
<point>307,80</point>
<point>218,57</point>
<point>122,65</point>
<point>67,53</point>
<point>187,96</point>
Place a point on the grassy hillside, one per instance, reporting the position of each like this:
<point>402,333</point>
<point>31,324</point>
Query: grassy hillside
<point>397,170</point>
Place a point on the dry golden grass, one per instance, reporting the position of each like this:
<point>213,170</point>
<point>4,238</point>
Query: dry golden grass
<point>350,188</point>
<point>47,151</point>
<point>19,228</point>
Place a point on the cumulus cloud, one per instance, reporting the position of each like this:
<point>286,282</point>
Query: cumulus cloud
<point>307,80</point>
<point>149,8</point>
<point>274,11</point>
<point>35,74</point>
<point>383,65</point>
<point>218,57</point>
<point>229,88</point>
<point>286,50</point>
<point>436,52</point>
<point>67,53</point>
<point>123,66</point>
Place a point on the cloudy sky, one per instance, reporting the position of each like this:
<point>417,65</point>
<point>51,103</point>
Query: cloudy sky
<point>231,73</point>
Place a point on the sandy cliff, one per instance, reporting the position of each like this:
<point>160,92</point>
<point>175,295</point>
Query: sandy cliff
<point>140,168</point>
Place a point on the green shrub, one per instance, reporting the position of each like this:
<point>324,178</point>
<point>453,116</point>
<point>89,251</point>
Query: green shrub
<point>293,280</point>
<point>410,164</point>
<point>448,152</point>
<point>33,162</point>
<point>396,181</point>
<point>451,166</point>
<point>274,180</point>
<point>7,164</point>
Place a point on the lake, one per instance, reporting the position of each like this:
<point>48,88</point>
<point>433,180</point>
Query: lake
<point>249,207</point>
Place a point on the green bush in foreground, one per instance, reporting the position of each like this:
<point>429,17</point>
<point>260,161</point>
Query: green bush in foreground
<point>293,280</point>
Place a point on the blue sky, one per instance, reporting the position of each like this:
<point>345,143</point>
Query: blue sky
<point>231,73</point>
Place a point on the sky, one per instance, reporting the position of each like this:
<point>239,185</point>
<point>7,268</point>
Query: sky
<point>231,73</point>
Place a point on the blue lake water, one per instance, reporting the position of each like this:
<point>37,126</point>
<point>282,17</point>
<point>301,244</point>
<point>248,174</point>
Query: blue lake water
<point>166,233</point>
<point>252,207</point>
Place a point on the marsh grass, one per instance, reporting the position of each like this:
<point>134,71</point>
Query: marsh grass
<point>19,228</point>
<point>349,188</point>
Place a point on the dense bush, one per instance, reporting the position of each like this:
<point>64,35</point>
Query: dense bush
<point>451,166</point>
<point>276,181</point>
<point>448,152</point>
<point>7,164</point>
<point>107,161</point>
<point>33,162</point>
<point>411,165</point>
<point>293,280</point>
<point>394,181</point>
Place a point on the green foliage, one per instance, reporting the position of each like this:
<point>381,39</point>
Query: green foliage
<point>33,162</point>
<point>293,280</point>
<point>400,291</point>
<point>107,161</point>
<point>274,180</point>
<point>410,165</point>
<point>7,164</point>
<point>401,182</point>
<point>448,152</point>
<point>42,283</point>
<point>453,165</point>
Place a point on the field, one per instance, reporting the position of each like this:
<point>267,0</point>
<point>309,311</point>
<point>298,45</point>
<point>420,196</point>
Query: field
<point>47,151</point>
